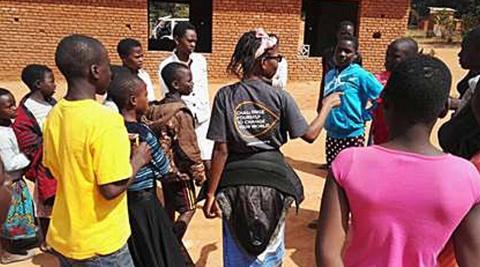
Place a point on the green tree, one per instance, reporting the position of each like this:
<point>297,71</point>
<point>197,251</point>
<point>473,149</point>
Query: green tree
<point>471,15</point>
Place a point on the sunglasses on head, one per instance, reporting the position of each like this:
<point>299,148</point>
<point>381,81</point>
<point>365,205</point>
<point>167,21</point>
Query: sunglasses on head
<point>278,58</point>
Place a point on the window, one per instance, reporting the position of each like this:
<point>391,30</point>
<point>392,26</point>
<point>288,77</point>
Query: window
<point>164,15</point>
<point>321,22</point>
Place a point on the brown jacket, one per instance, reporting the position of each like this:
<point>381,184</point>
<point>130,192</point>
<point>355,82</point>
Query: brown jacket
<point>173,124</point>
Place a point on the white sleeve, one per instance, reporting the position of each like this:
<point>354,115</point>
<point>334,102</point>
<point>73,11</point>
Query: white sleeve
<point>163,86</point>
<point>150,88</point>
<point>204,82</point>
<point>283,73</point>
<point>12,159</point>
<point>280,79</point>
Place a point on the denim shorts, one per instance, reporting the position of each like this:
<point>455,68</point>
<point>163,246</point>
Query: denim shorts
<point>119,258</point>
<point>234,255</point>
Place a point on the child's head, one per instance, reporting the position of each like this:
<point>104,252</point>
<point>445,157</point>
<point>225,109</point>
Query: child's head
<point>416,92</point>
<point>185,37</point>
<point>398,51</point>
<point>345,28</point>
<point>346,51</point>
<point>81,57</point>
<point>39,78</point>
<point>255,54</point>
<point>8,108</point>
<point>131,53</point>
<point>469,56</point>
<point>178,78</point>
<point>128,92</point>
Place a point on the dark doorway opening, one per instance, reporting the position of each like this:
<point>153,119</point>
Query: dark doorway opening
<point>321,22</point>
<point>163,15</point>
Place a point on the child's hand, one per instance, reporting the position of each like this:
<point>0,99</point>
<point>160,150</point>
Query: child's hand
<point>333,100</point>
<point>141,154</point>
<point>198,172</point>
<point>211,208</point>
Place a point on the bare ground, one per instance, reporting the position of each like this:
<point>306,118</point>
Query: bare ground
<point>203,238</point>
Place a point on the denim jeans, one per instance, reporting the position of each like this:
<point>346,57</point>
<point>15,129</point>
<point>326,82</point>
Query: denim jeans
<point>119,258</point>
<point>234,255</point>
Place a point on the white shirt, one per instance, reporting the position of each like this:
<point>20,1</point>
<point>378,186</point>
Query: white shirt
<point>198,101</point>
<point>39,110</point>
<point>12,158</point>
<point>142,74</point>
<point>280,78</point>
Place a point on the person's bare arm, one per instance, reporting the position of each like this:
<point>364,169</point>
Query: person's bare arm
<point>220,155</point>
<point>332,226</point>
<point>466,239</point>
<point>141,156</point>
<point>316,126</point>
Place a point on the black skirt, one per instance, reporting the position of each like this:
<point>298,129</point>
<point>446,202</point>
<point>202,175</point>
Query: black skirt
<point>153,243</point>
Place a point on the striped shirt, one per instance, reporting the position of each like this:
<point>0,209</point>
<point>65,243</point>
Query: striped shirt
<point>158,167</point>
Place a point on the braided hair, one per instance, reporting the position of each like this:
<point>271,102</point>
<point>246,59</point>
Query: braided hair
<point>242,62</point>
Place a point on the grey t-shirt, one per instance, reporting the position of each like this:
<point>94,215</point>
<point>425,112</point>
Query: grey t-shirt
<point>252,116</point>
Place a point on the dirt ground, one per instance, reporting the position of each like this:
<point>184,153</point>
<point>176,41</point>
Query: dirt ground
<point>203,238</point>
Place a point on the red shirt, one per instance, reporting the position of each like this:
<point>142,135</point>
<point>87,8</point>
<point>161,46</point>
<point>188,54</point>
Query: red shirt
<point>379,128</point>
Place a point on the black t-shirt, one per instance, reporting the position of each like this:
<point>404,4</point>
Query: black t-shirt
<point>252,116</point>
<point>460,135</point>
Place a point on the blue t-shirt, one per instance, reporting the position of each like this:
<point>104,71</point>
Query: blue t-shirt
<point>359,86</point>
<point>158,166</point>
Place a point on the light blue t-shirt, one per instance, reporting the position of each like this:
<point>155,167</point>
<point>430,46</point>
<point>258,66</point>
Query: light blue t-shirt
<point>359,86</point>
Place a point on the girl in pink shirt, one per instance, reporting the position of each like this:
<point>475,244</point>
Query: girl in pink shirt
<point>398,204</point>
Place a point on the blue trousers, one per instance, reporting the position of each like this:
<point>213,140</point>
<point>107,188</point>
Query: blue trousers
<point>119,258</point>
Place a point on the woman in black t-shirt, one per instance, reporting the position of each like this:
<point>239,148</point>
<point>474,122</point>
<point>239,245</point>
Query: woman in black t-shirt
<point>251,184</point>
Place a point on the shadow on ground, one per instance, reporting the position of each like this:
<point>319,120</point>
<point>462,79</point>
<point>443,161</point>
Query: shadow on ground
<point>300,237</point>
<point>202,262</point>
<point>308,167</point>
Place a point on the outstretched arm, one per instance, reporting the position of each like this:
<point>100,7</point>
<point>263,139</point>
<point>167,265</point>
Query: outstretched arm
<point>316,126</point>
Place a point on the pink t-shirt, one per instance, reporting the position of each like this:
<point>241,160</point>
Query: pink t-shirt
<point>404,206</point>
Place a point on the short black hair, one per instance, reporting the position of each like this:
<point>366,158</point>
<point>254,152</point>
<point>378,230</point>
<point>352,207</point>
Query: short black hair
<point>170,73</point>
<point>349,38</point>
<point>4,91</point>
<point>410,42</point>
<point>126,45</point>
<point>34,73</point>
<point>418,88</point>
<point>76,53</point>
<point>122,86</point>
<point>181,29</point>
<point>345,23</point>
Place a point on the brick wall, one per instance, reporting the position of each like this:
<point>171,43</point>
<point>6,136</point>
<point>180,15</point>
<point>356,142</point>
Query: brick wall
<point>390,19</point>
<point>31,30</point>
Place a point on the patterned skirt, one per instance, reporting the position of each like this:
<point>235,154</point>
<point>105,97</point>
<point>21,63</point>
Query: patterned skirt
<point>335,145</point>
<point>20,222</point>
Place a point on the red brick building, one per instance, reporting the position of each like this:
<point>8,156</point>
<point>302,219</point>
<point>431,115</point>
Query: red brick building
<point>31,29</point>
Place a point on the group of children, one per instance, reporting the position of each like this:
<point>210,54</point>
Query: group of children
<point>21,151</point>
<point>86,145</point>
<point>395,200</point>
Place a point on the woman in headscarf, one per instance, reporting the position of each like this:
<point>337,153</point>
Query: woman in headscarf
<point>251,184</point>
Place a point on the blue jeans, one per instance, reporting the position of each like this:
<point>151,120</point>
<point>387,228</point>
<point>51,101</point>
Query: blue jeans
<point>119,258</point>
<point>235,256</point>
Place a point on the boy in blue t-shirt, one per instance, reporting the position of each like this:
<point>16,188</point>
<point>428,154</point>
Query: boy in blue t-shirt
<point>346,124</point>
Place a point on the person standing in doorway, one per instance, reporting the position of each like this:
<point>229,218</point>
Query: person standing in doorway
<point>198,101</point>
<point>131,53</point>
